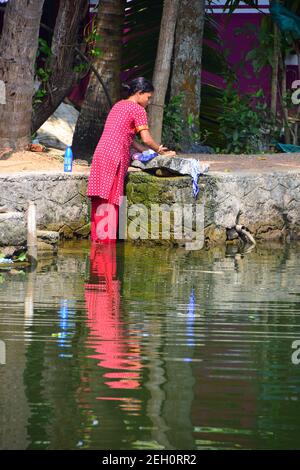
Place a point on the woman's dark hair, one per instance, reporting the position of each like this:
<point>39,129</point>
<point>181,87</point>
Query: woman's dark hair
<point>137,84</point>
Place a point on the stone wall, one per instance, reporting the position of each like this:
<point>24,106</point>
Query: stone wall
<point>269,203</point>
<point>60,200</point>
<point>143,188</point>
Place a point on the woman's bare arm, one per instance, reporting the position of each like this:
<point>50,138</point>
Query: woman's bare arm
<point>150,142</point>
<point>139,147</point>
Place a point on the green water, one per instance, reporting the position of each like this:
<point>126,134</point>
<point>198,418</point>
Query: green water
<point>152,348</point>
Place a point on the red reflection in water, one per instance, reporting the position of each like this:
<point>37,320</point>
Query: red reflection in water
<point>107,335</point>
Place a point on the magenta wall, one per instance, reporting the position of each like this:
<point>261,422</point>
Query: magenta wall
<point>239,46</point>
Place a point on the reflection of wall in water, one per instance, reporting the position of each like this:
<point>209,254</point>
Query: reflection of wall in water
<point>14,410</point>
<point>224,329</point>
<point>147,278</point>
<point>28,380</point>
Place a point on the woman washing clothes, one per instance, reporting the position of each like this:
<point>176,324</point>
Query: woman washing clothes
<point>112,157</point>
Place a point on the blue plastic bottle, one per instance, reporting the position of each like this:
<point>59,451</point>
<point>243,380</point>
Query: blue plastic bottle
<point>68,160</point>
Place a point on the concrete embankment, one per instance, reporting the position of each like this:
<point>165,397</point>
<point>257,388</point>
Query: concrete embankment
<point>263,192</point>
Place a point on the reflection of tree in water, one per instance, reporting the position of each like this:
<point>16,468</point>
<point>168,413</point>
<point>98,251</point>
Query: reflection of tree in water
<point>197,352</point>
<point>278,391</point>
<point>239,297</point>
<point>168,377</point>
<point>55,334</point>
<point>51,377</point>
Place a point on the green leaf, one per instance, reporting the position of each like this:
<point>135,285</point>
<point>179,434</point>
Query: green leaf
<point>22,256</point>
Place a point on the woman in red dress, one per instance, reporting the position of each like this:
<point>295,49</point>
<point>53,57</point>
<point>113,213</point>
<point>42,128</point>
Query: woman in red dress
<point>118,357</point>
<point>111,159</point>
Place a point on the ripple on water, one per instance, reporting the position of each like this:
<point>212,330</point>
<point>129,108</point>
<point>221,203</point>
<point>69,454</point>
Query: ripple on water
<point>151,348</point>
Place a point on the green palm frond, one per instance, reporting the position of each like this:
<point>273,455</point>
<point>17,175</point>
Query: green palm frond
<point>141,34</point>
<point>211,109</point>
<point>142,26</point>
<point>233,4</point>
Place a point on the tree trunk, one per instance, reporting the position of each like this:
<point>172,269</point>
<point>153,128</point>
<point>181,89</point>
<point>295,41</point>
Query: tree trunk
<point>18,47</point>
<point>186,73</point>
<point>163,66</point>
<point>275,65</point>
<point>90,124</point>
<point>282,99</point>
<point>65,37</point>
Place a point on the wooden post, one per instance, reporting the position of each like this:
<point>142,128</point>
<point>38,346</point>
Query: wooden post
<point>31,230</point>
<point>2,352</point>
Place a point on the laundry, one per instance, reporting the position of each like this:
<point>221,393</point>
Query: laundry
<point>176,166</point>
<point>145,156</point>
<point>196,170</point>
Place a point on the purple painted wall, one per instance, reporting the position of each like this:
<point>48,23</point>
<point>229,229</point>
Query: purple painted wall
<point>238,46</point>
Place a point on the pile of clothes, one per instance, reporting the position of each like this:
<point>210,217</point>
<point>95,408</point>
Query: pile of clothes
<point>178,166</point>
<point>145,156</point>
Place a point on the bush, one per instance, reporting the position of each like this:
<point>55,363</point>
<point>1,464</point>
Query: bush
<point>179,133</point>
<point>246,122</point>
<point>173,123</point>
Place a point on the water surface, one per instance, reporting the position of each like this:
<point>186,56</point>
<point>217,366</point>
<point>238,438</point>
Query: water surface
<point>152,348</point>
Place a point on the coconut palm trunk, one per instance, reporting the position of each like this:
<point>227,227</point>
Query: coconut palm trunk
<point>109,25</point>
<point>186,73</point>
<point>18,47</point>
<point>163,66</point>
<point>63,78</point>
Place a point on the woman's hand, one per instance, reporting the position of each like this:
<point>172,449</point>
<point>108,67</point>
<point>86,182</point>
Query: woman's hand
<point>165,151</point>
<point>162,150</point>
<point>169,153</point>
<point>150,142</point>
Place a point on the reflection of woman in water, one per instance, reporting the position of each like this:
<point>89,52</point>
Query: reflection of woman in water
<point>111,159</point>
<point>107,333</point>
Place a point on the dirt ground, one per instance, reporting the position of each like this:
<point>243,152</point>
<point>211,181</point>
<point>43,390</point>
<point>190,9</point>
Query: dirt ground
<point>36,161</point>
<point>252,163</point>
<point>53,160</point>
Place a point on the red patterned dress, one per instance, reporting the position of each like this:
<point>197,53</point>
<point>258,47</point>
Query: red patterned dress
<point>111,161</point>
<point>118,358</point>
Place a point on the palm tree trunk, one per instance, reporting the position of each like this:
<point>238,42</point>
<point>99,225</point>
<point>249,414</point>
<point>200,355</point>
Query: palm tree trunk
<point>18,47</point>
<point>275,70</point>
<point>186,74</point>
<point>163,66</point>
<point>90,124</point>
<point>65,37</point>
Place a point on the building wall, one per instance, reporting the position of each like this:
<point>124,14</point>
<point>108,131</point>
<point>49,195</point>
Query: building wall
<point>238,45</point>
